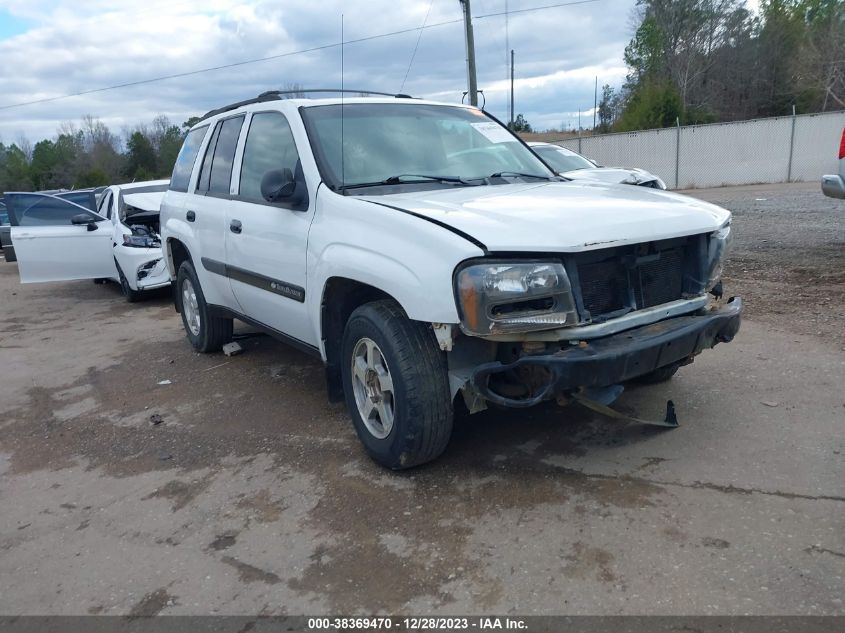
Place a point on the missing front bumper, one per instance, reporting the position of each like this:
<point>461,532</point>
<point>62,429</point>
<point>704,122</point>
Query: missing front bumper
<point>617,358</point>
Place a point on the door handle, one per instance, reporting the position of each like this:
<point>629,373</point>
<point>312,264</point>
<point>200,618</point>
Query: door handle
<point>235,226</point>
<point>190,216</point>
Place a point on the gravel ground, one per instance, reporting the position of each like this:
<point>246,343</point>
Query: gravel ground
<point>237,489</point>
<point>788,258</point>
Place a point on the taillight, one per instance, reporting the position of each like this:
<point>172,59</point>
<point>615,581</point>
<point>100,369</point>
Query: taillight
<point>842,146</point>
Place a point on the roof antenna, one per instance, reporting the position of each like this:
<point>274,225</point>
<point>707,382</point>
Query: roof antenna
<point>342,151</point>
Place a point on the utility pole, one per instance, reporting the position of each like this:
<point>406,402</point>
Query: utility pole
<point>472,85</point>
<point>511,88</point>
<point>595,104</point>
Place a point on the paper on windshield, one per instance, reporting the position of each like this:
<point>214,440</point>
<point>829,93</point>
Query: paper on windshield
<point>494,132</point>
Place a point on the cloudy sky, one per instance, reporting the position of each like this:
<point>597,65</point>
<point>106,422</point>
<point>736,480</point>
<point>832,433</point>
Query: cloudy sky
<point>52,48</point>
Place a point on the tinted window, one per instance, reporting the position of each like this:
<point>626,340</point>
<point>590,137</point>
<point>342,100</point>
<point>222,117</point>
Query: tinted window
<point>224,155</point>
<point>40,210</point>
<point>205,168</point>
<point>269,145</point>
<point>83,198</point>
<point>185,161</point>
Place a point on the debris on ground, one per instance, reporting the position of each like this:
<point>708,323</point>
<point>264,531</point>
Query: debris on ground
<point>232,349</point>
<point>769,403</point>
<point>156,419</point>
<point>165,382</point>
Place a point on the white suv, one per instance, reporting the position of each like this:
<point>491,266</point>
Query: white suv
<point>425,254</point>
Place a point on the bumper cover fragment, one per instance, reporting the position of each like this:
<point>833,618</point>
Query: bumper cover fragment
<point>620,357</point>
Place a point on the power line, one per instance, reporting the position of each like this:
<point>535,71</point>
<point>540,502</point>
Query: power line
<point>416,46</point>
<point>223,66</point>
<point>313,49</point>
<point>529,9</point>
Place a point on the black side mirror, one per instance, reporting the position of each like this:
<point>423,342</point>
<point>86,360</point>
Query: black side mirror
<point>84,218</point>
<point>278,185</point>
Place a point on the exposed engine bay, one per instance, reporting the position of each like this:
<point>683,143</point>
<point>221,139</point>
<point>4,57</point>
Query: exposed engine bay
<point>145,228</point>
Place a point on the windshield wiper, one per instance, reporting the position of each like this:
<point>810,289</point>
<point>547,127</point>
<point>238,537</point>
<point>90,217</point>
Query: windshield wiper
<point>409,179</point>
<point>516,174</point>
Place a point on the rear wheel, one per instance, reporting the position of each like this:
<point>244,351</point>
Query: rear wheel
<point>205,332</point>
<point>396,386</point>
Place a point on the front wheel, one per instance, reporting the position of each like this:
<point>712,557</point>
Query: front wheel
<point>395,380</point>
<point>130,295</point>
<point>205,332</point>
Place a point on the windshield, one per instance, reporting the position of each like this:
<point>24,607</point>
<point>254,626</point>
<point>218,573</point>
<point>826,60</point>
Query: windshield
<point>561,160</point>
<point>410,142</point>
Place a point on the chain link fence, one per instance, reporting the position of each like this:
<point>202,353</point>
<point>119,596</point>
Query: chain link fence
<point>779,149</point>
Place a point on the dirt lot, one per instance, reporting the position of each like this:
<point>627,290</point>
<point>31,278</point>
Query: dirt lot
<point>253,495</point>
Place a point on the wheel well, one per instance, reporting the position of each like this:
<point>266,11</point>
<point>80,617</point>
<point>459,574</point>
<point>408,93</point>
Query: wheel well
<point>178,254</point>
<point>341,297</point>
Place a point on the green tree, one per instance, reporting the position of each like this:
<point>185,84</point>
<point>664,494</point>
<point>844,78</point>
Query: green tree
<point>191,122</point>
<point>653,104</point>
<point>44,161</point>
<point>140,157</point>
<point>168,149</point>
<point>520,124</point>
<point>608,107</point>
<point>17,171</point>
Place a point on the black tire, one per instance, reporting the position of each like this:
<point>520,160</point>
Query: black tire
<point>214,332</point>
<point>130,295</point>
<point>661,374</point>
<point>422,419</point>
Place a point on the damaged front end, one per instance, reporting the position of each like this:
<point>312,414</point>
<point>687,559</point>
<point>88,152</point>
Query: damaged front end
<point>576,327</point>
<point>140,255</point>
<point>541,371</point>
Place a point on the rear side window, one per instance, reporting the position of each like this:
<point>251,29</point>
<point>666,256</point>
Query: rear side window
<point>269,145</point>
<point>43,210</point>
<point>105,205</point>
<point>185,161</point>
<point>205,168</point>
<point>216,172</point>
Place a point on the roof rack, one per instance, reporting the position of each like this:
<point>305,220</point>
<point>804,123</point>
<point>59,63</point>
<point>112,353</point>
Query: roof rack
<point>274,95</point>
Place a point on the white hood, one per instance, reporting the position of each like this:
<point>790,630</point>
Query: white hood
<point>561,216</point>
<point>145,201</point>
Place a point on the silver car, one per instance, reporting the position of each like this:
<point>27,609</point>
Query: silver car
<point>833,185</point>
<point>572,165</point>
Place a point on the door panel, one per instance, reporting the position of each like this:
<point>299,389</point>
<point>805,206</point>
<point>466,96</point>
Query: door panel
<point>62,253</point>
<point>266,266</point>
<point>266,243</point>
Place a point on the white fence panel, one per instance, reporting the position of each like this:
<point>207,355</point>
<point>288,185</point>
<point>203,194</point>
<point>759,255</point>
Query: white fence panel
<point>817,139</point>
<point>652,150</point>
<point>735,153</point>
<point>738,153</point>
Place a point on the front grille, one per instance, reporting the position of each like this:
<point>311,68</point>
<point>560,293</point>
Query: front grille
<point>620,280</point>
<point>660,281</point>
<point>604,286</point>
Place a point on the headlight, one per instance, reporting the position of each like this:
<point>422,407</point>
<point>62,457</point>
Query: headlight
<point>140,241</point>
<point>499,297</point>
<point>717,246</point>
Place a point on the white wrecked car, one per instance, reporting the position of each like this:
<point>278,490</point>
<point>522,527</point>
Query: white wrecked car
<point>573,166</point>
<point>58,240</point>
